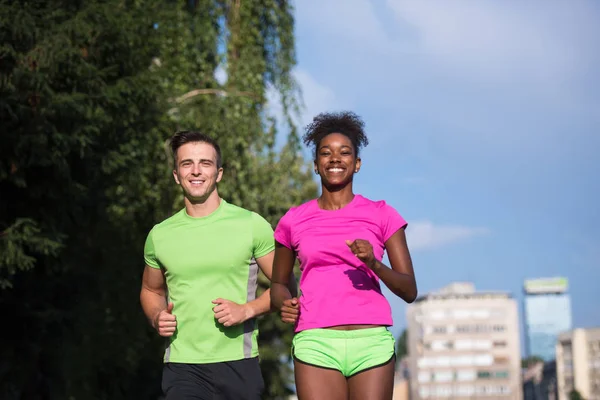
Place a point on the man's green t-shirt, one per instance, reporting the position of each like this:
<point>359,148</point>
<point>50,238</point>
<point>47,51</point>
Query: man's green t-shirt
<point>204,259</point>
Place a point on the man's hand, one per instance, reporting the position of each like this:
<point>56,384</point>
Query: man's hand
<point>229,313</point>
<point>364,251</point>
<point>165,322</point>
<point>290,310</point>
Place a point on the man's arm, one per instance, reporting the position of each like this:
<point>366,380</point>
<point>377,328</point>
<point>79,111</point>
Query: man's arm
<point>153,297</point>
<point>229,313</point>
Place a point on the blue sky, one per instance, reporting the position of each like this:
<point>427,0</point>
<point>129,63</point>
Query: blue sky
<point>483,118</point>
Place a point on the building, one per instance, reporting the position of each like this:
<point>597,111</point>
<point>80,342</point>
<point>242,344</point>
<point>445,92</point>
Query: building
<point>464,344</point>
<point>578,363</point>
<point>547,313</point>
<point>539,382</point>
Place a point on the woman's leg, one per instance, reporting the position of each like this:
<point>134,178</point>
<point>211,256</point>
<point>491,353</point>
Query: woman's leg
<point>315,383</point>
<point>373,384</point>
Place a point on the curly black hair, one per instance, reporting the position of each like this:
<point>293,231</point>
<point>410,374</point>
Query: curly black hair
<point>346,122</point>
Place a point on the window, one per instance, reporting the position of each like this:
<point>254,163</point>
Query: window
<point>465,375</point>
<point>500,343</point>
<point>462,361</point>
<point>463,344</point>
<point>442,391</point>
<point>481,314</point>
<point>439,345</point>
<point>443,376</point>
<point>483,374</point>
<point>501,374</point>
<point>482,344</point>
<point>500,360</point>
<point>424,376</point>
<point>461,314</point>
<point>484,359</point>
<point>438,314</point>
<point>464,391</point>
<point>439,329</point>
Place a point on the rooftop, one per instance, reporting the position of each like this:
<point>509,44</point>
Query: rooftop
<point>462,290</point>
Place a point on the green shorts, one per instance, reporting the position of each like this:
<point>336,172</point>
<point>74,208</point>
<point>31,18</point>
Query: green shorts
<point>349,352</point>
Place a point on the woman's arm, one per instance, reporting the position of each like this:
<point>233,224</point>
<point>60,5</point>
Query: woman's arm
<point>400,279</point>
<point>281,297</point>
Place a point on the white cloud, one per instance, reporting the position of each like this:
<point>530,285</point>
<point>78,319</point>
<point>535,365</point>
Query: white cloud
<point>499,39</point>
<point>425,235</point>
<point>482,77</point>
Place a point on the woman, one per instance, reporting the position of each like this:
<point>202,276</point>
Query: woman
<point>342,348</point>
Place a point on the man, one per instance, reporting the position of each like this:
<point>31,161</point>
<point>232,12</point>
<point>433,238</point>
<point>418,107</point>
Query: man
<point>200,280</point>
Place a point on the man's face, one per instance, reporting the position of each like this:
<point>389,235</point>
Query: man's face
<point>196,170</point>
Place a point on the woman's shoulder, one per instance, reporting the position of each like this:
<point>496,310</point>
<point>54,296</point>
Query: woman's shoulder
<point>366,202</point>
<point>301,210</point>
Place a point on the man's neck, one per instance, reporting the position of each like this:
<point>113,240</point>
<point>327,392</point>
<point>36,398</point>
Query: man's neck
<point>203,208</point>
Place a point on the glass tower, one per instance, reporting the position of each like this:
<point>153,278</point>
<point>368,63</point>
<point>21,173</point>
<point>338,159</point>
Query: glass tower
<point>547,314</point>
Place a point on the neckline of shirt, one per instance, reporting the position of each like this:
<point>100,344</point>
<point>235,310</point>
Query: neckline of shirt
<point>348,206</point>
<point>208,217</point>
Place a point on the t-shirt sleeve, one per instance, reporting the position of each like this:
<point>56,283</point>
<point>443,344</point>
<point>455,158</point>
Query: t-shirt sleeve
<point>283,231</point>
<point>150,252</point>
<point>262,236</point>
<point>391,221</point>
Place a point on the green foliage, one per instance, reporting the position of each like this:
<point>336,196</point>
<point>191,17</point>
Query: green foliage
<point>530,361</point>
<point>575,395</point>
<point>89,91</point>
<point>402,345</point>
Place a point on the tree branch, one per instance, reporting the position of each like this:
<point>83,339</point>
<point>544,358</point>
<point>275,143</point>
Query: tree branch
<point>221,92</point>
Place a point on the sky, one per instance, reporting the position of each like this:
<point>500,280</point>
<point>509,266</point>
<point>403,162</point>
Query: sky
<point>483,119</point>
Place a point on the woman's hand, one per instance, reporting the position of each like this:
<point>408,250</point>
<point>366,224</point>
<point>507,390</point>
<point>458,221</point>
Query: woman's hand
<point>364,251</point>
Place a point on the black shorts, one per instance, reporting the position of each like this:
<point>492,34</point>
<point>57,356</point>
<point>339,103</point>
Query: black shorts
<point>229,380</point>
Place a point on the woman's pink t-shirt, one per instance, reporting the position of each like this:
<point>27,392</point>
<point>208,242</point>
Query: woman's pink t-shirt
<point>336,287</point>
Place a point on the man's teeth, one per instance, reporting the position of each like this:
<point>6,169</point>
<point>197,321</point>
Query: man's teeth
<point>197,182</point>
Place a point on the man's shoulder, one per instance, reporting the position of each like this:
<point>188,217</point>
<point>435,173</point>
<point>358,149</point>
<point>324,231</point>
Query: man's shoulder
<point>169,222</point>
<point>241,213</point>
<point>232,209</point>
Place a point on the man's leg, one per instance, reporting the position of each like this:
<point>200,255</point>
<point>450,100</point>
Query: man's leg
<point>187,382</point>
<point>238,380</point>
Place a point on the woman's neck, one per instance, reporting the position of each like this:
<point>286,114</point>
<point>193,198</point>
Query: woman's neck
<point>335,200</point>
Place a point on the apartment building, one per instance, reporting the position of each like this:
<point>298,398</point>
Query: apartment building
<point>578,363</point>
<point>464,344</point>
